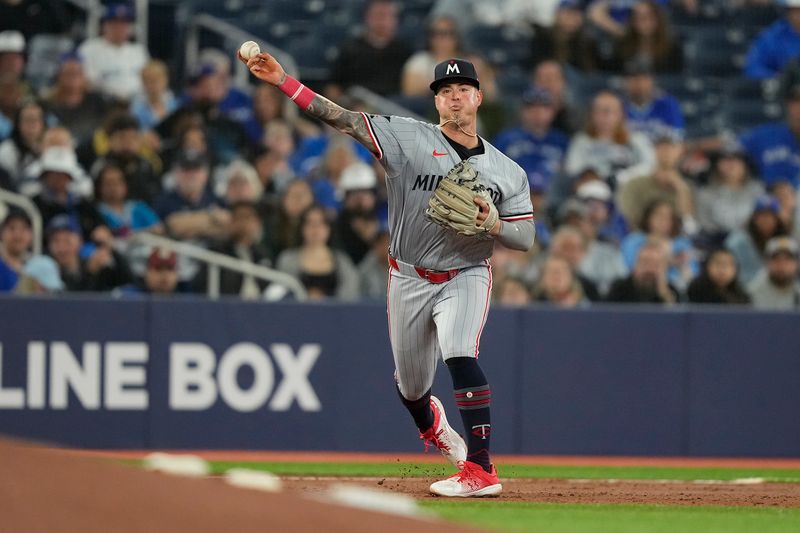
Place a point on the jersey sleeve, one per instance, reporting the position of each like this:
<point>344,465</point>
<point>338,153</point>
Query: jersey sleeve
<point>517,206</point>
<point>394,138</point>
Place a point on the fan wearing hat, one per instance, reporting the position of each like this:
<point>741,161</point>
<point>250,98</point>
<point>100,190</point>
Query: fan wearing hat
<point>12,54</point>
<point>91,267</point>
<point>113,62</point>
<point>58,168</point>
<point>778,286</point>
<point>649,109</point>
<point>748,244</point>
<point>535,144</point>
<point>357,225</point>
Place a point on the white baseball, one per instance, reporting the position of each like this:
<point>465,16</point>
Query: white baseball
<point>249,49</point>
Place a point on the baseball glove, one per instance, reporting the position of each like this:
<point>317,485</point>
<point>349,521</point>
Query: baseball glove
<point>452,204</point>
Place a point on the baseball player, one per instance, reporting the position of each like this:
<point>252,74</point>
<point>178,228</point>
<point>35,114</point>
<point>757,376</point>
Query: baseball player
<point>451,196</point>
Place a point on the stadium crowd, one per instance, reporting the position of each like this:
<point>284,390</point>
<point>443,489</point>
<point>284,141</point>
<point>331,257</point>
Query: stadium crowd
<point>632,205</point>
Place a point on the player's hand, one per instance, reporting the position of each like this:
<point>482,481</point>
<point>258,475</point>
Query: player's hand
<point>265,67</point>
<point>483,214</point>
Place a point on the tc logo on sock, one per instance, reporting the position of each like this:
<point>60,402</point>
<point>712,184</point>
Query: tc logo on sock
<point>482,430</point>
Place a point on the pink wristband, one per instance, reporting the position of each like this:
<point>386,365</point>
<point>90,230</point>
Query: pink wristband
<point>299,93</point>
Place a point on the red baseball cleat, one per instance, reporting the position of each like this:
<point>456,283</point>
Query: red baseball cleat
<point>444,437</point>
<point>471,482</point>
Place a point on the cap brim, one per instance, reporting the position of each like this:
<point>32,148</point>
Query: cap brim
<point>454,79</point>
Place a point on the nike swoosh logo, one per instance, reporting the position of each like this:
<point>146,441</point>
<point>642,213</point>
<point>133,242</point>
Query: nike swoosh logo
<point>438,154</point>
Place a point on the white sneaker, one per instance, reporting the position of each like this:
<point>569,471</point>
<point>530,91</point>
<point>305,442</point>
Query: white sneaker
<point>444,437</point>
<point>471,482</point>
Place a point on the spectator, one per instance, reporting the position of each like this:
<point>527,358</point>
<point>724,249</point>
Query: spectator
<point>123,216</point>
<point>235,104</point>
<point>73,103</point>
<point>323,271</point>
<point>40,276</point>
<point>12,56</point>
<point>607,223</point>
<point>11,94</point>
<point>244,243</point>
<point>20,153</point>
<point>338,156</point>
<point>778,287</point>
<point>160,277</point>
<point>608,146</point>
<point>718,282</point>
<point>99,271</point>
<point>516,14</point>
<point>274,173</point>
<point>59,168</point>
<point>748,244</point>
<point>114,63</point>
<point>558,284</point>
<point>269,105</point>
<point>648,36</point>
<point>773,147</point>
<point>649,110</point>
<point>726,202</point>
<point>443,42</point>
<point>648,281</point>
<point>571,245</point>
<point>379,45</point>
<point>156,101</point>
<point>512,263</point>
<point>786,195</point>
<point>16,239</point>
<point>240,183</point>
<point>549,75</point>
<point>568,41</point>
<point>535,145</point>
<point>776,45</point>
<point>513,292</point>
<point>59,137</point>
<point>125,149</point>
<point>285,226</point>
<point>357,225</point>
<point>373,271</point>
<point>191,211</point>
<point>544,225</point>
<point>661,221</point>
<point>666,183</point>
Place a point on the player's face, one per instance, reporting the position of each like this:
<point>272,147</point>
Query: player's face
<point>458,101</point>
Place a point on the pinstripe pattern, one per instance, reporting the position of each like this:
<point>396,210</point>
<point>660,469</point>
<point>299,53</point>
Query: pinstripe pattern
<point>428,321</point>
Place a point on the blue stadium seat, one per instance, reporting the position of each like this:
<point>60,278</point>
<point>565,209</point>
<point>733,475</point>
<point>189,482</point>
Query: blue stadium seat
<point>741,115</point>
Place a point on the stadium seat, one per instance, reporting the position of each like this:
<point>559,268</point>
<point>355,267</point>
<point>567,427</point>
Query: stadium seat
<point>741,115</point>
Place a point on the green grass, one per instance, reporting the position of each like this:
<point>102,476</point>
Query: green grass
<point>562,518</point>
<point>511,471</point>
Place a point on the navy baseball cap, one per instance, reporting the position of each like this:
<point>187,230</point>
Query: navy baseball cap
<point>119,11</point>
<point>767,203</point>
<point>454,70</point>
<point>63,223</point>
<point>569,4</point>
<point>537,96</point>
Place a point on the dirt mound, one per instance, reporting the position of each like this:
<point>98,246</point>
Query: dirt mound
<point>45,490</point>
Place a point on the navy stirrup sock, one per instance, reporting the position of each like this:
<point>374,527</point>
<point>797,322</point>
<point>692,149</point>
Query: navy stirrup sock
<point>420,410</point>
<point>473,398</point>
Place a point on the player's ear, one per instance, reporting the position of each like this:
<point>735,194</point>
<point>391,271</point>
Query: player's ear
<point>480,97</point>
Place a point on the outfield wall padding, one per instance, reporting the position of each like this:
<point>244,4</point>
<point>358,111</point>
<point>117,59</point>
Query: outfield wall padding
<point>190,373</point>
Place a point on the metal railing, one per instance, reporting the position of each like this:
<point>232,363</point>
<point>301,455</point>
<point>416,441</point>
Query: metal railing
<point>232,32</point>
<point>217,261</point>
<point>24,203</point>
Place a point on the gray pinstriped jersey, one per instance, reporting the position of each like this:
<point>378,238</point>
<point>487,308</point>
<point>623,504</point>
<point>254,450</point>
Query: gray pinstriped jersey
<point>416,157</point>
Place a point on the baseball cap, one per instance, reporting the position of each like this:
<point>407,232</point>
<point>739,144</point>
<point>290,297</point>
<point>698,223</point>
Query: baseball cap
<point>572,207</point>
<point>537,96</point>
<point>454,70</point>
<point>12,41</point>
<point>594,190</point>
<point>162,259</point>
<point>569,4</point>
<point>357,176</point>
<point>119,11</point>
<point>15,213</point>
<point>44,270</point>
<point>200,72</point>
<point>781,245</point>
<point>191,160</point>
<point>63,223</point>
<point>766,202</point>
<point>60,159</point>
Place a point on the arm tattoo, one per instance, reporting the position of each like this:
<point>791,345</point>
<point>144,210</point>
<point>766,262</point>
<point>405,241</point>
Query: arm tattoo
<point>344,120</point>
